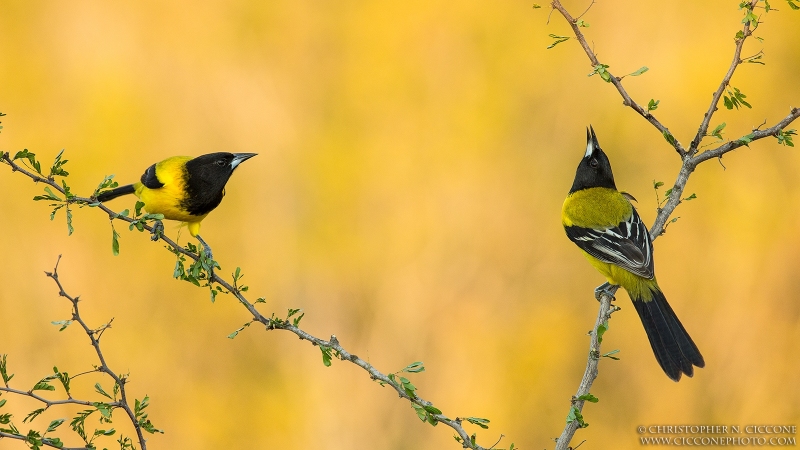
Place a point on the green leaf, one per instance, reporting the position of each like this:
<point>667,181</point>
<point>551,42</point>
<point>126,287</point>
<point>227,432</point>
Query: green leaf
<point>785,137</point>
<point>669,137</point>
<point>326,355</point>
<point>483,423</point>
<point>582,24</point>
<point>601,330</point>
<point>793,5</point>
<point>589,398</point>
<point>4,370</point>
<point>558,40</point>
<point>746,139</point>
<point>104,408</point>
<point>409,387</point>
<point>140,406</point>
<point>54,424</point>
<point>2,403</point>
<point>421,413</point>
<point>107,183</point>
<point>70,228</point>
<point>55,442</point>
<point>691,197</point>
<point>652,105</point>
<point>575,415</point>
<point>717,132</point>
<point>642,70</point>
<point>432,409</point>
<point>236,333</point>
<point>31,157</point>
<point>657,184</point>
<point>536,6</point>
<point>114,242</point>
<point>32,415</point>
<point>99,390</point>
<point>63,377</point>
<point>43,385</point>
<point>415,367</point>
<point>612,352</point>
<point>600,69</point>
<point>728,102</point>
<point>62,323</point>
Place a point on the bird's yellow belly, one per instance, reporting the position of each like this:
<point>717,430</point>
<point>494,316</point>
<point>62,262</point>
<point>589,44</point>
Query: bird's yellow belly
<point>636,286</point>
<point>167,201</point>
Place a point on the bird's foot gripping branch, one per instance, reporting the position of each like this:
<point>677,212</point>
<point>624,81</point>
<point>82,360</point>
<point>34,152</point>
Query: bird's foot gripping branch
<point>195,265</point>
<point>753,11</point>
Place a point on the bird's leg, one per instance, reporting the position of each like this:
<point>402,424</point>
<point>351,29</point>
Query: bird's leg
<point>158,230</point>
<point>209,255</point>
<point>606,288</point>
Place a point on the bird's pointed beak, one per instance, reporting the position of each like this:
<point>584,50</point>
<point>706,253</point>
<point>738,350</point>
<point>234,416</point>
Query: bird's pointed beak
<point>239,158</point>
<point>591,142</point>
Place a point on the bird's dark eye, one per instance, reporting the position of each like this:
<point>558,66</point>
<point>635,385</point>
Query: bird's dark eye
<point>593,162</point>
<point>220,162</point>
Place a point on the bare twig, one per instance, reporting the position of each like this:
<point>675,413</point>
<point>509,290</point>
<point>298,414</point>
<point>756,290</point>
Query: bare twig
<point>46,442</point>
<point>589,375</point>
<point>690,161</point>
<point>626,99</point>
<point>269,323</point>
<point>690,164</point>
<point>94,336</point>
<point>701,132</point>
<point>586,11</point>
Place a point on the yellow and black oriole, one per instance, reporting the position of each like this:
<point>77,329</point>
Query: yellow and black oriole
<point>183,188</point>
<point>603,223</point>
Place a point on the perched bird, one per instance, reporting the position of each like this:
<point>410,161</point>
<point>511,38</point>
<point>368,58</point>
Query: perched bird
<point>183,188</point>
<point>603,223</point>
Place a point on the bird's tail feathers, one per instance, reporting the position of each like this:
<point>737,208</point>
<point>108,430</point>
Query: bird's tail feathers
<point>674,349</point>
<point>114,193</point>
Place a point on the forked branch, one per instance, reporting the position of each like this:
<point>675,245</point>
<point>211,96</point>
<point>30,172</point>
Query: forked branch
<point>331,347</point>
<point>690,161</point>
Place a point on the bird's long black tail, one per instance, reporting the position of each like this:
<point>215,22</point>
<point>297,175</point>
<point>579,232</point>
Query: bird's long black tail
<point>114,193</point>
<point>674,349</point>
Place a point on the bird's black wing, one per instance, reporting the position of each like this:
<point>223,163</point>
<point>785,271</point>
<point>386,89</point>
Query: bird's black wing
<point>149,178</point>
<point>627,245</point>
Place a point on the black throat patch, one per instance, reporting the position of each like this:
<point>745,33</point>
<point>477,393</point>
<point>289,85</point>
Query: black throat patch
<point>204,182</point>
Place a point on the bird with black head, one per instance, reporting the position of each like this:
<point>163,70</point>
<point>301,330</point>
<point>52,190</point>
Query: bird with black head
<point>183,188</point>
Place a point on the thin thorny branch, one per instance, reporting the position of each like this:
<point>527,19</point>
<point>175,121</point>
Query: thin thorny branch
<point>270,324</point>
<point>690,160</point>
<point>617,82</point>
<point>45,442</point>
<point>94,337</point>
<point>590,373</point>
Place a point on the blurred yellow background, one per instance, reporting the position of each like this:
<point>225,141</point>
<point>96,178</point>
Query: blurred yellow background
<point>413,158</point>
